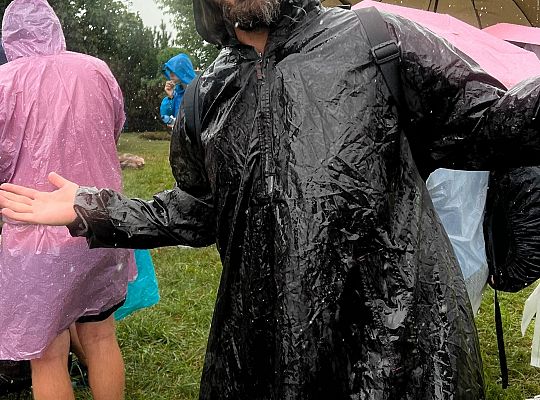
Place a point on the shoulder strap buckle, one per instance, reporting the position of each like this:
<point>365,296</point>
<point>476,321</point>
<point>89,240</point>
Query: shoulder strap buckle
<point>385,52</point>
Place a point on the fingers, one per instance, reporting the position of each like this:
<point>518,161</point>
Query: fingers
<point>8,197</point>
<point>21,217</point>
<point>15,205</point>
<point>20,190</point>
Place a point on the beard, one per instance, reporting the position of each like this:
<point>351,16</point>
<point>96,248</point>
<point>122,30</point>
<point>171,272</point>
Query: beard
<point>250,15</point>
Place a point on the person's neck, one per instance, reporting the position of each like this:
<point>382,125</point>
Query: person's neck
<point>256,39</point>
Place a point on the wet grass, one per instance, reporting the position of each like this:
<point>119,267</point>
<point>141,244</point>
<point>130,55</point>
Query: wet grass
<point>164,346</point>
<point>524,379</point>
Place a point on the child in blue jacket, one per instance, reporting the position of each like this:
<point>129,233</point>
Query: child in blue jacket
<point>179,73</point>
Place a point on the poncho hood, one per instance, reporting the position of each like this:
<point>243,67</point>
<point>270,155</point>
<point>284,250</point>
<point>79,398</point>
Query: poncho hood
<point>213,27</point>
<point>31,28</point>
<point>181,66</point>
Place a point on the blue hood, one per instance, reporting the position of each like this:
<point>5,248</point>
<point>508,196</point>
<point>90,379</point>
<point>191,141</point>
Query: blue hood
<point>182,68</point>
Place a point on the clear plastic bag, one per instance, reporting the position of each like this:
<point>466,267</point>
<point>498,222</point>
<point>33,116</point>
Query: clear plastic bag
<point>459,197</point>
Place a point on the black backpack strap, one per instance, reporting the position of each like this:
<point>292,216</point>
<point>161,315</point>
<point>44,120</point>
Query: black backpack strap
<point>384,49</point>
<point>494,274</point>
<point>500,342</point>
<point>191,108</point>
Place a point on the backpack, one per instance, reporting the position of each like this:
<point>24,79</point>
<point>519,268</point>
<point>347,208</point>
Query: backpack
<point>512,228</point>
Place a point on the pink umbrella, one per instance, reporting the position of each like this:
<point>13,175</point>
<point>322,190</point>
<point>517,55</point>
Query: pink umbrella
<point>515,33</point>
<point>523,36</point>
<point>508,63</point>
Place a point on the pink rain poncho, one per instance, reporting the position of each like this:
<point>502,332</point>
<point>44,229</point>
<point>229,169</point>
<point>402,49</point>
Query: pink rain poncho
<point>59,111</point>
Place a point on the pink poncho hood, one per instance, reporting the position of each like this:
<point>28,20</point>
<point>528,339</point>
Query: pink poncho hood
<point>31,28</point>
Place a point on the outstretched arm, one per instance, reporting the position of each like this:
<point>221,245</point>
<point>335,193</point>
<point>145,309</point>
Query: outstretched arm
<point>184,215</point>
<point>172,217</point>
<point>34,207</point>
<point>459,117</point>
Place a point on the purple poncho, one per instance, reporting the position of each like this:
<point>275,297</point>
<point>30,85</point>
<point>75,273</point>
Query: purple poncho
<point>59,111</point>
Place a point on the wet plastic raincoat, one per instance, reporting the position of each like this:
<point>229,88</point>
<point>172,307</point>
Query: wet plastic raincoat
<point>338,279</point>
<point>183,69</point>
<point>3,58</point>
<point>59,111</point>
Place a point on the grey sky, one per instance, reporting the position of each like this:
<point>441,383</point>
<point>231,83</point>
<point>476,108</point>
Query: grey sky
<point>149,12</point>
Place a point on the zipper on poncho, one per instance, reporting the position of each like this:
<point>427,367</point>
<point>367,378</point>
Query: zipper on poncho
<point>265,126</point>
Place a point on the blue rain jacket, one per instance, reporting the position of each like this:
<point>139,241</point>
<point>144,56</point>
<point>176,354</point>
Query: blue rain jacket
<point>183,68</point>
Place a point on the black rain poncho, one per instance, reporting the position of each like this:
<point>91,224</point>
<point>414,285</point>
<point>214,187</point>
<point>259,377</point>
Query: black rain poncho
<point>338,280</point>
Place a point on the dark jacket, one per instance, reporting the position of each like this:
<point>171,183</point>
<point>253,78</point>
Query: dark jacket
<point>338,279</point>
<point>3,58</point>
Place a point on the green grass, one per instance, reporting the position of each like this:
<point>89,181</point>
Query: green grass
<point>164,345</point>
<point>523,378</point>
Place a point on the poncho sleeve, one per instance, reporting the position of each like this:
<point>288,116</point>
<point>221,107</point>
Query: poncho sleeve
<point>166,110</point>
<point>181,216</point>
<point>458,116</point>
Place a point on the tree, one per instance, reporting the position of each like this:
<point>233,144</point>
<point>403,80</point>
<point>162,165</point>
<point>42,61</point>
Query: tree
<point>162,37</point>
<point>107,30</point>
<point>187,37</point>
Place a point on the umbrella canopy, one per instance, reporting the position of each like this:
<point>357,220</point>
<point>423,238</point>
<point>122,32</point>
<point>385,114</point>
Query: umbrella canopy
<point>515,33</point>
<point>508,63</point>
<point>523,36</point>
<point>479,13</point>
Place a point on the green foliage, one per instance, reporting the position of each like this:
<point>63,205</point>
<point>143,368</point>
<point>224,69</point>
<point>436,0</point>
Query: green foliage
<point>107,30</point>
<point>201,53</point>
<point>162,37</point>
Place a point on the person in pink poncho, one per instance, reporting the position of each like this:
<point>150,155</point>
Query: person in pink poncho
<point>59,111</point>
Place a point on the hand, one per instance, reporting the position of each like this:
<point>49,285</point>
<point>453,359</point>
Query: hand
<point>34,207</point>
<point>169,88</point>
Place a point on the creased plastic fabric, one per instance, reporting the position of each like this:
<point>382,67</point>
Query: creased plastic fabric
<point>143,291</point>
<point>512,217</point>
<point>459,197</point>
<point>59,111</point>
<point>338,279</point>
<point>30,29</point>
<point>3,58</point>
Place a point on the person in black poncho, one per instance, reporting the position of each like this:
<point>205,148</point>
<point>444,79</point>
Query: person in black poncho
<point>339,281</point>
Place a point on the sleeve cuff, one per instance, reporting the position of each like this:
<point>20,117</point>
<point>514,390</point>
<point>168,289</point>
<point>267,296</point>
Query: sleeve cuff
<point>79,226</point>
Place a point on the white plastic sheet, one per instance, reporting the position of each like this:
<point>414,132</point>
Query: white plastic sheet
<point>459,197</point>
<point>530,310</point>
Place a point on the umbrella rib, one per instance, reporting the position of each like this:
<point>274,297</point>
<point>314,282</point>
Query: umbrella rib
<point>477,15</point>
<point>525,15</point>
